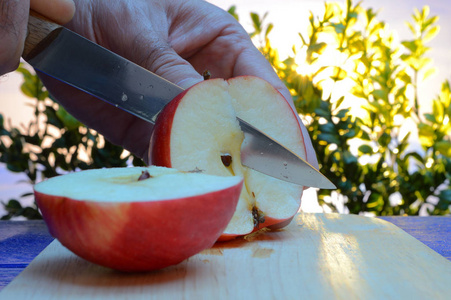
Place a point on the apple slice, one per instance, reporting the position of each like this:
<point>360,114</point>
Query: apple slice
<point>198,130</point>
<point>137,219</point>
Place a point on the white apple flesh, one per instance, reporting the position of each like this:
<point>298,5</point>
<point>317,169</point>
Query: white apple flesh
<point>199,130</point>
<point>109,217</point>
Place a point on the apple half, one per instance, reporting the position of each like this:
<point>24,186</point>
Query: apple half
<point>198,130</point>
<point>137,219</point>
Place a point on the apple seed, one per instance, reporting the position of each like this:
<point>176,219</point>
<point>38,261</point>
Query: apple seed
<point>258,216</point>
<point>226,159</point>
<point>206,74</point>
<point>144,175</point>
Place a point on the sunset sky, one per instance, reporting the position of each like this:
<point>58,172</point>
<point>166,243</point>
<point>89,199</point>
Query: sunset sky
<point>289,18</point>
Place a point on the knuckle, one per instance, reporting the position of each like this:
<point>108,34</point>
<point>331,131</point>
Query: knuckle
<point>158,56</point>
<point>150,51</point>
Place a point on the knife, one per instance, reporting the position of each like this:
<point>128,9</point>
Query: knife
<point>67,56</point>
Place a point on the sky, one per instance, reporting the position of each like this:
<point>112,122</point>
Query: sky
<point>289,17</point>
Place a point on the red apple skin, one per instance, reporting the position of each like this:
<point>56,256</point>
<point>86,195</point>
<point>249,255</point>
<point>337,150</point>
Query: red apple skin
<point>161,145</point>
<point>160,148</point>
<point>270,223</point>
<point>139,236</point>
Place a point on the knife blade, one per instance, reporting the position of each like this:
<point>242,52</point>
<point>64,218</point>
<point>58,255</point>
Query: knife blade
<point>67,56</point>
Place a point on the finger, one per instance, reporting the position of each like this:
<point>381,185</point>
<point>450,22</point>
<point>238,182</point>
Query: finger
<point>251,62</point>
<point>13,29</point>
<point>59,11</point>
<point>165,62</point>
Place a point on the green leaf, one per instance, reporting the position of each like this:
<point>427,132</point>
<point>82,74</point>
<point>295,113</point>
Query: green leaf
<point>52,117</point>
<point>411,27</point>
<point>256,22</point>
<point>339,28</point>
<point>416,156</point>
<point>338,74</point>
<point>232,11</point>
<point>317,48</point>
<point>430,118</point>
<point>444,200</point>
<point>59,143</point>
<point>411,45</point>
<point>444,147</point>
<point>28,89</point>
<point>375,202</point>
<point>13,205</point>
<point>268,29</point>
<point>348,158</point>
<point>431,34</point>
<point>428,73</point>
<point>364,135</point>
<point>304,43</point>
<point>33,139</point>
<point>342,113</point>
<point>327,128</point>
<point>328,138</point>
<point>16,166</point>
<point>445,195</point>
<point>353,15</point>
<point>31,213</point>
<point>425,12</point>
<point>339,101</point>
<point>322,113</point>
<point>438,111</point>
<point>380,94</point>
<point>365,149</point>
<point>68,120</point>
<point>351,133</point>
<point>384,139</point>
<point>426,135</point>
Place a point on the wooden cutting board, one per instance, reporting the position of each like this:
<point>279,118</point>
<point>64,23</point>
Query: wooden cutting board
<point>318,256</point>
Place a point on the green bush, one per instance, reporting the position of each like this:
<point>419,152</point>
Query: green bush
<point>354,108</point>
<point>357,107</point>
<point>53,143</point>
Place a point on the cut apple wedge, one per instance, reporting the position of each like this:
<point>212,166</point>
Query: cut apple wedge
<point>137,219</point>
<point>198,130</point>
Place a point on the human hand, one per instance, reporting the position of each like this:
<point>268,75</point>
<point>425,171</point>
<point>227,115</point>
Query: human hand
<point>177,40</point>
<point>13,25</point>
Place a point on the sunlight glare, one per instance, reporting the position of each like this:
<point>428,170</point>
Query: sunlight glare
<point>303,67</point>
<point>429,162</point>
<point>445,120</point>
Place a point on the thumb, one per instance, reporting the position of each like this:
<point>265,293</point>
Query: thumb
<point>59,11</point>
<point>165,62</point>
<point>13,29</point>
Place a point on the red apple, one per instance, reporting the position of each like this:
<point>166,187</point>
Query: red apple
<point>199,130</point>
<point>109,217</point>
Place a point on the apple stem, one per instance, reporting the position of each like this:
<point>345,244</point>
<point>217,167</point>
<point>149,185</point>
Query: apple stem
<point>144,175</point>
<point>196,170</point>
<point>206,74</point>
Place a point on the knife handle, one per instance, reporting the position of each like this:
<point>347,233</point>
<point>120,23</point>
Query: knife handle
<point>39,29</point>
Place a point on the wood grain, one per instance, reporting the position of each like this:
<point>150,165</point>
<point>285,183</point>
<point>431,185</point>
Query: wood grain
<point>39,28</point>
<point>318,256</point>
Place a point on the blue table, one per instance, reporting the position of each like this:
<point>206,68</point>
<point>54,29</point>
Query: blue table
<point>22,241</point>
